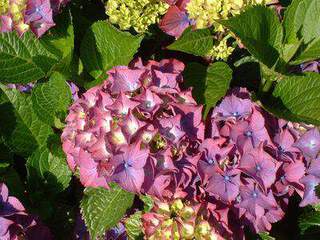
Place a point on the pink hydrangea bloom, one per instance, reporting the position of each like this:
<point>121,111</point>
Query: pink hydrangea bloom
<point>135,127</point>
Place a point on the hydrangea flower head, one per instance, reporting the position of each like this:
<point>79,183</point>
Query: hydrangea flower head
<point>23,15</point>
<point>133,128</point>
<point>251,163</point>
<point>136,14</point>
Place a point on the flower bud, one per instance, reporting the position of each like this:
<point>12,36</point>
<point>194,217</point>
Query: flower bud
<point>177,205</point>
<point>164,208</point>
<point>187,212</point>
<point>187,231</point>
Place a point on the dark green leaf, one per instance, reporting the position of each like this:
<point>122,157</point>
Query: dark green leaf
<point>218,79</point>
<point>102,208</point>
<point>196,42</point>
<point>21,127</point>
<point>48,168</point>
<point>51,98</point>
<point>265,236</point>
<point>194,76</point>
<point>260,31</point>
<point>104,47</point>
<point>310,218</point>
<point>60,41</point>
<point>23,59</point>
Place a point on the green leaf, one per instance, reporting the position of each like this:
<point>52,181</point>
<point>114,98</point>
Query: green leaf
<point>265,236</point>
<point>310,27</point>
<point>218,79</point>
<point>297,98</point>
<point>47,168</point>
<point>310,218</point>
<point>194,76</point>
<point>133,226</point>
<point>196,42</point>
<point>51,99</point>
<point>104,47</point>
<point>260,31</point>
<point>12,179</point>
<point>148,202</point>
<point>102,208</point>
<point>23,59</point>
<point>21,127</point>
<point>290,22</point>
<point>312,52</point>
<point>60,41</point>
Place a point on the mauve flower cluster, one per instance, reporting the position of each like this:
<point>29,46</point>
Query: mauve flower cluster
<point>248,167</point>
<point>22,15</point>
<point>252,163</point>
<point>137,129</point>
<point>15,223</point>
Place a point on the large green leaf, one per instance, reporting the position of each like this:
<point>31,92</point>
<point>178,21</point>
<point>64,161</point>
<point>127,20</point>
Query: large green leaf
<point>196,42</point>
<point>51,99</point>
<point>260,31</point>
<point>23,59</point>
<point>104,46</point>
<point>102,208</point>
<point>21,127</point>
<point>297,98</point>
<point>290,22</point>
<point>218,79</point>
<point>310,27</point>
<point>47,168</point>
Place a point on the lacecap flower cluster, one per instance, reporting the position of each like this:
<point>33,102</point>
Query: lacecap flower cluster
<point>16,223</point>
<point>22,15</point>
<point>140,130</point>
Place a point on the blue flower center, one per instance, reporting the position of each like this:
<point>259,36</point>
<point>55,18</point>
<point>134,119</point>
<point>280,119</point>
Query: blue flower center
<point>235,114</point>
<point>248,133</point>
<point>126,165</point>
<point>210,161</point>
<point>37,10</point>
<point>148,104</point>
<point>258,168</point>
<point>255,194</point>
<point>226,178</point>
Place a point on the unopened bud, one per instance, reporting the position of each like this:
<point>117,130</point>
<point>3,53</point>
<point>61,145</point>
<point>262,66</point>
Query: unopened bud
<point>203,229</point>
<point>177,205</point>
<point>187,231</point>
<point>187,212</point>
<point>164,208</point>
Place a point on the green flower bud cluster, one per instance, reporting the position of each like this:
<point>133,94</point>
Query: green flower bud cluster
<point>179,221</point>
<point>138,14</point>
<point>221,50</point>
<point>4,6</point>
